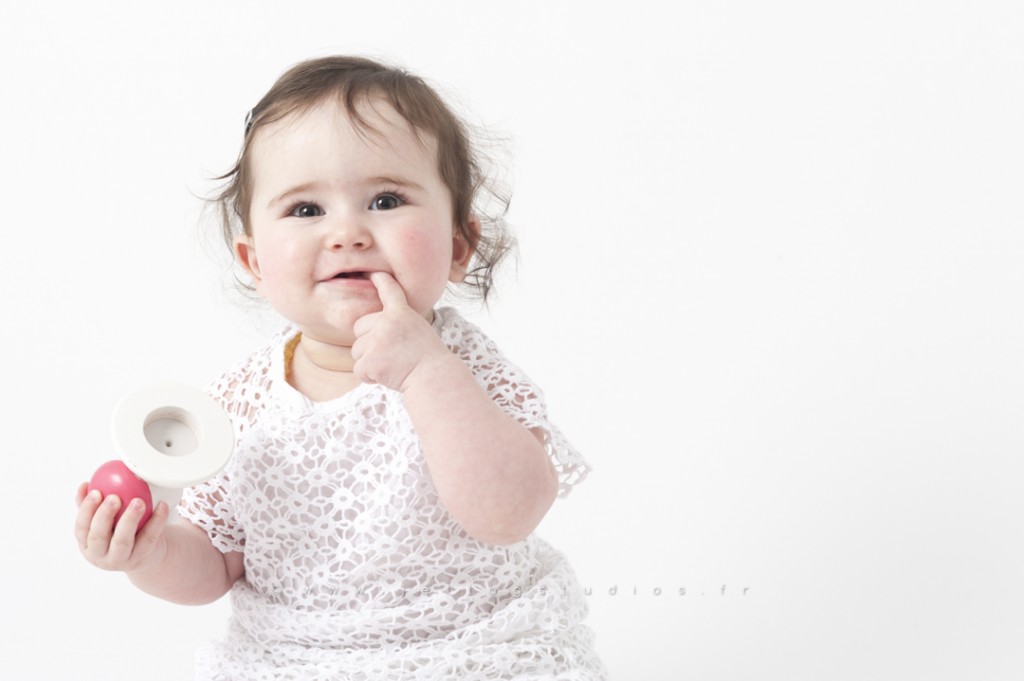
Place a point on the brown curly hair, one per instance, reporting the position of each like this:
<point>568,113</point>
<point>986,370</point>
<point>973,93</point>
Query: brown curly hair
<point>354,81</point>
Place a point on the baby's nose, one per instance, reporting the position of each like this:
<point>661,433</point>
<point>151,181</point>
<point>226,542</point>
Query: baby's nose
<point>349,233</point>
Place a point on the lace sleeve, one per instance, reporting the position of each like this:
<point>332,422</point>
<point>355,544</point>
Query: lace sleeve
<point>514,392</point>
<point>209,505</point>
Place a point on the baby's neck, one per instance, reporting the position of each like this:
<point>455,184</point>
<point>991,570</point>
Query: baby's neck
<point>324,356</point>
<point>321,371</point>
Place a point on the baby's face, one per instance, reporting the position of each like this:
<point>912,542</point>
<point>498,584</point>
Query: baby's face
<point>331,203</point>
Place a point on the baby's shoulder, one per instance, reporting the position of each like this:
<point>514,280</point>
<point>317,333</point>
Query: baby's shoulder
<point>463,337</point>
<point>480,353</point>
<point>248,381</point>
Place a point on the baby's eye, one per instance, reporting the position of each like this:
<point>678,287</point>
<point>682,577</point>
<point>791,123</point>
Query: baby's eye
<point>386,202</point>
<point>306,210</point>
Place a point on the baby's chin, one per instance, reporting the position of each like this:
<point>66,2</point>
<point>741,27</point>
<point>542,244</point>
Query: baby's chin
<point>341,320</point>
<point>340,333</point>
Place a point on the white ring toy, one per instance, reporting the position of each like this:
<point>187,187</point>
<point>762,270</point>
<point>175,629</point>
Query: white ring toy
<point>172,436</point>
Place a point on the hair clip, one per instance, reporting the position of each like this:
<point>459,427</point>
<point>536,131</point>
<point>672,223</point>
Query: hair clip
<point>248,121</point>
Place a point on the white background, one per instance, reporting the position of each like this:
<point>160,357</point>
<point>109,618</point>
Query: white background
<point>772,281</point>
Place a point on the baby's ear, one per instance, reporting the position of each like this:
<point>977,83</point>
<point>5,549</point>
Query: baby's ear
<point>245,251</point>
<point>463,248</point>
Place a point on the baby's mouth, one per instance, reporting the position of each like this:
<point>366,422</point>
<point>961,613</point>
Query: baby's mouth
<point>351,275</point>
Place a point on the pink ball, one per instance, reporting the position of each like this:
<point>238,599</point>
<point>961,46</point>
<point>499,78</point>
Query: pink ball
<point>114,477</point>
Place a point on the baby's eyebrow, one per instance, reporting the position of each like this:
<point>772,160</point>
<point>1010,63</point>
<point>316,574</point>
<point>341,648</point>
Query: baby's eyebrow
<point>369,182</point>
<point>298,189</point>
<point>407,184</point>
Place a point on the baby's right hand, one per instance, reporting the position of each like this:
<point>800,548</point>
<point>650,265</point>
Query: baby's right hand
<point>118,548</point>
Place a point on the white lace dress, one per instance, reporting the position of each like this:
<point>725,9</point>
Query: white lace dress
<point>353,569</point>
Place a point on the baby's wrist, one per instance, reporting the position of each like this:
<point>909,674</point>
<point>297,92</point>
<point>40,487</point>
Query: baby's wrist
<point>150,564</point>
<point>431,370</point>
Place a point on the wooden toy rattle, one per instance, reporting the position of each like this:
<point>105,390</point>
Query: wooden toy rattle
<point>170,436</point>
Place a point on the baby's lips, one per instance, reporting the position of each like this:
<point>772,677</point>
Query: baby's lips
<point>358,274</point>
<point>352,273</point>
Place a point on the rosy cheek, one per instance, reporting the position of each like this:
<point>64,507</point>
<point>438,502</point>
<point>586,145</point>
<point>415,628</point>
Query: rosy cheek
<point>282,257</point>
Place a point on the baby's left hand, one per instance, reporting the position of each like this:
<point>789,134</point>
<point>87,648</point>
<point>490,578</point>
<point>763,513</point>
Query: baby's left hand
<point>391,343</point>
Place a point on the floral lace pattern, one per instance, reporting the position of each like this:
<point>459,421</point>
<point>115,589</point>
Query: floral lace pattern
<point>353,569</point>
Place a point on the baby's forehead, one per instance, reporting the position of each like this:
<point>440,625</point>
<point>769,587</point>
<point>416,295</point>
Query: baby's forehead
<point>330,139</point>
<point>372,118</point>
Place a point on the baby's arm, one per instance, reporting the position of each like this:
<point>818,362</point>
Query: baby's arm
<point>492,474</point>
<point>175,562</point>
